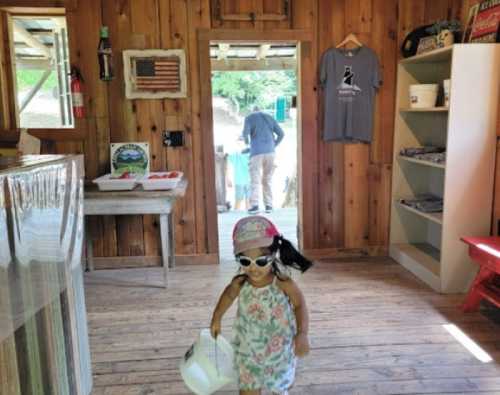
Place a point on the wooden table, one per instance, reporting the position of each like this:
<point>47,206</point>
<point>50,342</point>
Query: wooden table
<point>485,251</point>
<point>138,202</point>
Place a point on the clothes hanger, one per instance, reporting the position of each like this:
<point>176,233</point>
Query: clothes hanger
<point>350,38</point>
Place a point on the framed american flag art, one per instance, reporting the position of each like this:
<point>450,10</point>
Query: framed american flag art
<point>154,73</point>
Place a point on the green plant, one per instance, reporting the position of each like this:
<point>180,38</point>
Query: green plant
<point>250,88</point>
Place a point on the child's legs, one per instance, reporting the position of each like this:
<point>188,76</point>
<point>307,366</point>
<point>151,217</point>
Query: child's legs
<point>255,178</point>
<point>239,196</point>
<point>246,200</point>
<point>249,392</point>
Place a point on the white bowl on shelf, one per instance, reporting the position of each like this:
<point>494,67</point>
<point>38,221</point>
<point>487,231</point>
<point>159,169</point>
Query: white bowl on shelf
<point>157,184</point>
<point>108,183</point>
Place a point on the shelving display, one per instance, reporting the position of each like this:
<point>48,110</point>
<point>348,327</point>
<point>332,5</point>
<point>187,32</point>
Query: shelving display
<point>428,243</point>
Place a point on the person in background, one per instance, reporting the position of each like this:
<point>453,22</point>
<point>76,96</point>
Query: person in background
<point>263,134</point>
<point>239,162</point>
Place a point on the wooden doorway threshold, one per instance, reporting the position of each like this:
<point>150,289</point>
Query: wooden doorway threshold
<point>305,120</point>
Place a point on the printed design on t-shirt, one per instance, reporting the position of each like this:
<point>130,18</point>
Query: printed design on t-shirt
<point>347,87</point>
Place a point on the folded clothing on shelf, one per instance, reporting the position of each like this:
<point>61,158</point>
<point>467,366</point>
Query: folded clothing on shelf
<point>429,153</point>
<point>425,203</point>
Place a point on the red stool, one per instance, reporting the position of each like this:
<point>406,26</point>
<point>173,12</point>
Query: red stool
<point>485,251</point>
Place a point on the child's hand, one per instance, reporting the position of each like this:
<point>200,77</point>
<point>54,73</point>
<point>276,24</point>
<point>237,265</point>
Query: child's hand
<point>301,345</point>
<point>215,327</point>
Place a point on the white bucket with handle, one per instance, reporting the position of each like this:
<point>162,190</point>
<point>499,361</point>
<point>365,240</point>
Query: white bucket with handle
<point>208,364</point>
<point>423,95</point>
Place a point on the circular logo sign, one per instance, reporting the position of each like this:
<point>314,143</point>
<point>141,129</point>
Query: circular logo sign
<point>130,157</point>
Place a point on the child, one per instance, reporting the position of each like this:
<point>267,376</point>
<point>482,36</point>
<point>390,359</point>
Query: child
<point>241,177</point>
<point>272,322</point>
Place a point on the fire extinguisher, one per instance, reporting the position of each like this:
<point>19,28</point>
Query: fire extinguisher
<point>77,93</point>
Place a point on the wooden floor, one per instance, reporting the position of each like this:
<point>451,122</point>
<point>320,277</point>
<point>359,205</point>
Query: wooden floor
<point>374,330</point>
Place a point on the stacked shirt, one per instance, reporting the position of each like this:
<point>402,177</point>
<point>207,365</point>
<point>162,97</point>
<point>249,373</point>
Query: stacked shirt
<point>425,203</point>
<point>429,153</point>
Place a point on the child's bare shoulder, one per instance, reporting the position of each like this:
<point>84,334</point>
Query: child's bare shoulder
<point>238,281</point>
<point>285,282</point>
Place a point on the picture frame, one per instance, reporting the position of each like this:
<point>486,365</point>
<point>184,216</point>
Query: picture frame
<point>473,10</point>
<point>486,23</point>
<point>154,73</point>
<point>427,44</point>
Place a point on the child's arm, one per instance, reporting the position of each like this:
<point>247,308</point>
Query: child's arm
<point>298,301</point>
<point>225,301</point>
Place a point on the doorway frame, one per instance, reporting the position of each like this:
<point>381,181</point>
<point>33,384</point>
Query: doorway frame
<point>306,122</point>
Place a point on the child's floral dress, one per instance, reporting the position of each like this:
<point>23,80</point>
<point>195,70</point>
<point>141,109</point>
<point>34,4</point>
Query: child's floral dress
<point>264,329</point>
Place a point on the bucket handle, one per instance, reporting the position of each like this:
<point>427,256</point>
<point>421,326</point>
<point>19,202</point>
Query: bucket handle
<point>216,358</point>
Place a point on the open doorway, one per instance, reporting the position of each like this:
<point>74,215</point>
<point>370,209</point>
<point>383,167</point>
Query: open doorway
<point>250,77</point>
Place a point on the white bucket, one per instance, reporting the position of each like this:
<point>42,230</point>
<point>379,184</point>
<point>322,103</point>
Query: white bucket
<point>446,88</point>
<point>423,95</point>
<point>208,364</point>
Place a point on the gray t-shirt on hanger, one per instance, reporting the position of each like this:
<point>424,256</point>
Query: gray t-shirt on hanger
<point>349,78</point>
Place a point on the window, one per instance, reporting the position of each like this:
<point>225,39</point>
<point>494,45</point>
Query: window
<point>41,70</point>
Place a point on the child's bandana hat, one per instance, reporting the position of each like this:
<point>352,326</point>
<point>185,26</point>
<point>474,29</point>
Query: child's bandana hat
<point>253,232</point>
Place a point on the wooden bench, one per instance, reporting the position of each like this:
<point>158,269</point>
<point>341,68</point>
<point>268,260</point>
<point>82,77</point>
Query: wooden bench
<point>138,202</point>
<point>485,251</point>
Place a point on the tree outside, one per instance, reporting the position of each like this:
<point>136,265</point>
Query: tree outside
<point>254,88</point>
<point>43,110</point>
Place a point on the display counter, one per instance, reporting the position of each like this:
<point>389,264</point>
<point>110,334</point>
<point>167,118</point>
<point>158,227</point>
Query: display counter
<point>43,327</point>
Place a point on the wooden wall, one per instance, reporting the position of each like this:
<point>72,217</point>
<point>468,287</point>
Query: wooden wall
<point>346,188</point>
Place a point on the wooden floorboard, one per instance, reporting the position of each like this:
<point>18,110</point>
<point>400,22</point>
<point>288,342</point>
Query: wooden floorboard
<point>375,329</point>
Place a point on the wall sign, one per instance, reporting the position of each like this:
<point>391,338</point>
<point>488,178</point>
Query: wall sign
<point>131,157</point>
<point>487,23</point>
<point>154,73</point>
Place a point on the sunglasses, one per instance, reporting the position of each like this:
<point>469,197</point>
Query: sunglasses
<point>261,261</point>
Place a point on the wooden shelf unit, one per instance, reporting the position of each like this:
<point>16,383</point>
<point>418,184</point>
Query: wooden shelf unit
<point>427,109</point>
<point>434,217</point>
<point>422,162</point>
<point>428,244</point>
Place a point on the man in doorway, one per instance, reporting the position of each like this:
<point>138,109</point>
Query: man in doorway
<point>263,134</point>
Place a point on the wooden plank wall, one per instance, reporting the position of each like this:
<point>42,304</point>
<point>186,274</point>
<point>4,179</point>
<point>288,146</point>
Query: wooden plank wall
<point>355,178</point>
<point>112,118</point>
<point>347,202</point>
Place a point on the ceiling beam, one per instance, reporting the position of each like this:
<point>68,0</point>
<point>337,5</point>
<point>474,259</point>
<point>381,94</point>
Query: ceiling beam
<point>32,64</point>
<point>223,51</point>
<point>263,50</point>
<point>33,42</point>
<point>253,64</point>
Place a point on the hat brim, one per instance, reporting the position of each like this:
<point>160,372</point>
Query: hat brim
<point>261,242</point>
